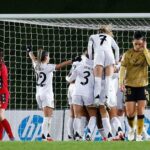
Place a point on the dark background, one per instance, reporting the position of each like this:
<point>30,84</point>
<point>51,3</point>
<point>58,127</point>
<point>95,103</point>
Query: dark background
<point>22,92</point>
<point>74,6</point>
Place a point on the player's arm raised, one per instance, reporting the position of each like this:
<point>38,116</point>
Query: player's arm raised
<point>90,47</point>
<point>116,48</point>
<point>31,55</point>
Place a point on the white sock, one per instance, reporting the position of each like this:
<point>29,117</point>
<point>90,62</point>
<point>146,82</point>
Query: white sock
<point>92,123</point>
<point>102,132</point>
<point>49,125</point>
<point>106,126</point>
<point>70,126</point>
<point>115,124</point>
<point>83,123</point>
<point>97,86</point>
<point>45,126</point>
<point>122,121</point>
<point>127,127</point>
<point>108,82</point>
<point>77,126</point>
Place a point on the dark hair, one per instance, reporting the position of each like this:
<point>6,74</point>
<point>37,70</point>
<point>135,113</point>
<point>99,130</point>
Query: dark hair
<point>86,53</point>
<point>138,35</point>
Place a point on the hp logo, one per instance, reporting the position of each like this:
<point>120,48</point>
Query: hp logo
<point>30,128</point>
<point>147,125</point>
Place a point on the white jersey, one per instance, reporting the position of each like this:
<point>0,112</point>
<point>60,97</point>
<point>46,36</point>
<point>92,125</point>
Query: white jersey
<point>44,78</point>
<point>74,66</point>
<point>102,43</point>
<point>72,85</point>
<point>84,79</point>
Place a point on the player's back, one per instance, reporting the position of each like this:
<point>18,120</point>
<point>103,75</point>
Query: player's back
<point>102,42</point>
<point>85,79</point>
<point>44,78</point>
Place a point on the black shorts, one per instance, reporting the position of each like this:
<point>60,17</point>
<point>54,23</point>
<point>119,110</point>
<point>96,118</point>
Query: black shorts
<point>136,93</point>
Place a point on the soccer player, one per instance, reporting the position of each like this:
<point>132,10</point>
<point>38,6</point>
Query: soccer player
<point>109,117</point>
<point>133,80</point>
<point>71,111</point>
<point>44,89</point>
<point>4,99</point>
<point>83,95</point>
<point>100,48</point>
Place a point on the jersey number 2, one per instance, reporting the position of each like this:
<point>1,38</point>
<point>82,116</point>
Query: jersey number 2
<point>42,76</point>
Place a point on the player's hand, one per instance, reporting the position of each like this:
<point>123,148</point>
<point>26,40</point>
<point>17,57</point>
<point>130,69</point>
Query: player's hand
<point>96,102</point>
<point>122,88</point>
<point>77,58</point>
<point>29,49</point>
<point>145,45</point>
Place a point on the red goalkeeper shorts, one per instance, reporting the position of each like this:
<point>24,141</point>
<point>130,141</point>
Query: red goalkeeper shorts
<point>4,99</point>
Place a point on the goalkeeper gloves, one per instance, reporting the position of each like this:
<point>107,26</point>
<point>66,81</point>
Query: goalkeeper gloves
<point>29,49</point>
<point>77,58</point>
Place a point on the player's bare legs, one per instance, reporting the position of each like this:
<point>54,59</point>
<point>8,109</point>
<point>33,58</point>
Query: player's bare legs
<point>46,125</point>
<point>5,124</point>
<point>105,121</point>
<point>109,70</point>
<point>131,110</point>
<point>140,117</point>
<point>70,123</point>
<point>77,125</point>
<point>115,123</point>
<point>98,71</point>
<point>92,121</point>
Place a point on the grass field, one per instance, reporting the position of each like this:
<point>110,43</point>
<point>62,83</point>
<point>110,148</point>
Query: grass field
<point>74,145</point>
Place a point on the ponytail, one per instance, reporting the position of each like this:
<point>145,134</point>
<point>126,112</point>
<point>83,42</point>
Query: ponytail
<point>39,54</point>
<point>41,57</point>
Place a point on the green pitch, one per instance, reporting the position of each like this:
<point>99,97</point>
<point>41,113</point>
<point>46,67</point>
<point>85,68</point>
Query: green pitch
<point>74,145</point>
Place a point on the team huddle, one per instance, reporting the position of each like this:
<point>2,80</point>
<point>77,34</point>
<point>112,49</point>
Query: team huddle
<point>107,93</point>
<point>133,79</point>
<point>104,91</point>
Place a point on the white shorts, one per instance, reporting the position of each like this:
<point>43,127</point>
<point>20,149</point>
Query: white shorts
<point>70,91</point>
<point>44,100</point>
<point>82,100</point>
<point>104,59</point>
<point>120,100</point>
<point>112,101</point>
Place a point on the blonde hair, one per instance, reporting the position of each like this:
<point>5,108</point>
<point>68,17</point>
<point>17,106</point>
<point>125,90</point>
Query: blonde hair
<point>106,29</point>
<point>39,55</point>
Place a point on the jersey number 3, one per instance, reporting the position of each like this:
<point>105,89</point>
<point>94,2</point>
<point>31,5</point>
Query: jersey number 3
<point>87,74</point>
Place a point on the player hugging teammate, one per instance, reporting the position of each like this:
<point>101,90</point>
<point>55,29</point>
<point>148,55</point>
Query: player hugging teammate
<point>96,88</point>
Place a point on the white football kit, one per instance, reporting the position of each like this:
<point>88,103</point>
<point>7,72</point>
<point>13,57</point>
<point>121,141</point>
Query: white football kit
<point>120,95</point>
<point>71,85</point>
<point>84,83</point>
<point>44,85</point>
<point>112,100</point>
<point>101,46</point>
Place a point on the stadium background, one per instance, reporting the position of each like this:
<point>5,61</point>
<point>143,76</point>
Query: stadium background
<point>63,6</point>
<point>57,6</point>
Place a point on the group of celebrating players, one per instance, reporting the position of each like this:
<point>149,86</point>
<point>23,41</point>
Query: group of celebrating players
<point>113,90</point>
<point>106,94</point>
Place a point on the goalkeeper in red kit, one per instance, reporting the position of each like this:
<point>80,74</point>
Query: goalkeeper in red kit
<point>4,99</point>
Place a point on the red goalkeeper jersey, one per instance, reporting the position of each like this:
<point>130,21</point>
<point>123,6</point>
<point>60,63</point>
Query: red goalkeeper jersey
<point>4,79</point>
